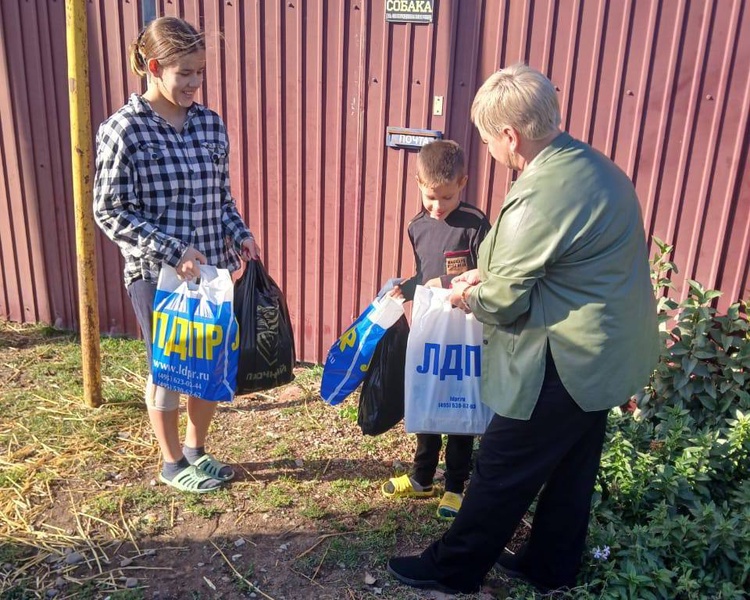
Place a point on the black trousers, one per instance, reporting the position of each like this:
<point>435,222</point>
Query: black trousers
<point>557,451</point>
<point>457,460</point>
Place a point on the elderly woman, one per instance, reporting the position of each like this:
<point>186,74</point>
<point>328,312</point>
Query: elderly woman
<point>570,331</point>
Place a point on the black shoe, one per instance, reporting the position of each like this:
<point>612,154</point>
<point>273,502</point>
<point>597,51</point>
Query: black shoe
<point>415,572</point>
<point>510,566</point>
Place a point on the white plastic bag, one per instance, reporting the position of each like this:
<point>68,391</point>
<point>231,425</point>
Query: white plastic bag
<point>196,338</point>
<point>443,368</point>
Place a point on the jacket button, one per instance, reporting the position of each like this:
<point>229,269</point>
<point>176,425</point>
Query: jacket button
<point>485,342</point>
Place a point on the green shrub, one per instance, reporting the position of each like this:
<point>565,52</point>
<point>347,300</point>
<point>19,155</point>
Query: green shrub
<point>672,507</point>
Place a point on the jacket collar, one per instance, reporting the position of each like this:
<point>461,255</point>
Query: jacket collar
<point>555,146</point>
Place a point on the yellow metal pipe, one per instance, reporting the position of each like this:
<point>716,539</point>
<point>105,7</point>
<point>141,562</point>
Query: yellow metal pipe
<point>80,139</point>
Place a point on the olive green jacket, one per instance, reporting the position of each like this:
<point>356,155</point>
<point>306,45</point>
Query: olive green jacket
<point>566,263</point>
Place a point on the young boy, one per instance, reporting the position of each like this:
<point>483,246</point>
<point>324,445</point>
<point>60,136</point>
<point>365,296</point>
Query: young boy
<point>445,236</point>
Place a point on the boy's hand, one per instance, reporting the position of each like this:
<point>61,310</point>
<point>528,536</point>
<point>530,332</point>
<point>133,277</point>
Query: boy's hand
<point>396,293</point>
<point>435,282</point>
<point>468,277</point>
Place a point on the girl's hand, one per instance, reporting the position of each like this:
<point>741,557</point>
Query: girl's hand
<point>249,250</point>
<point>189,266</point>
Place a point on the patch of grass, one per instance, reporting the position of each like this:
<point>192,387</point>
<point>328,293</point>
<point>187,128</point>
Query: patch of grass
<point>353,550</point>
<point>9,553</point>
<point>312,510</point>
<point>275,495</point>
<point>13,476</point>
<point>354,496</point>
<point>344,553</point>
<point>87,591</point>
<point>206,506</point>
<point>310,377</point>
<point>349,412</point>
<point>282,450</point>
<point>249,574</point>
<point>141,498</point>
<point>126,595</point>
<point>345,486</point>
<point>16,593</point>
<point>104,504</point>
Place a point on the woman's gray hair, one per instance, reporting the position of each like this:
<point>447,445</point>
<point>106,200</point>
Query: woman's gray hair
<point>520,97</point>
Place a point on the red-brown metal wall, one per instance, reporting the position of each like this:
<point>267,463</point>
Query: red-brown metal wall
<point>307,89</point>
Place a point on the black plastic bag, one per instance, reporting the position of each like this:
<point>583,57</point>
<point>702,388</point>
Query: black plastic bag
<point>266,338</point>
<point>381,402</point>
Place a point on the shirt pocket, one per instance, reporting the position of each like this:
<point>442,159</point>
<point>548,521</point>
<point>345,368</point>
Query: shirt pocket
<point>214,155</point>
<point>159,173</point>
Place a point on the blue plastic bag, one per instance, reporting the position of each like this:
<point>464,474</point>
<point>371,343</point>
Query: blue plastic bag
<point>349,357</point>
<point>195,347</point>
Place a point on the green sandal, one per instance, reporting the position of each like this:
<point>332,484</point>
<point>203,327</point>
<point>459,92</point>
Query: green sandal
<point>190,480</point>
<point>212,467</point>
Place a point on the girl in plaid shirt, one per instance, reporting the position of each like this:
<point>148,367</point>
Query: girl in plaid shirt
<point>161,193</point>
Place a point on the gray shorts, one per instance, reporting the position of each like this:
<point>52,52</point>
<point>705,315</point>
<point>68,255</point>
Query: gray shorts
<point>141,295</point>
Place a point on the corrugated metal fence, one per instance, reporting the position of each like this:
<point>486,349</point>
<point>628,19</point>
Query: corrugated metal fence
<point>307,89</point>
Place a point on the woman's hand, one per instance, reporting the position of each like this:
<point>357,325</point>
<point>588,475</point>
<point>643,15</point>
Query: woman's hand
<point>189,266</point>
<point>457,295</point>
<point>249,250</point>
<point>469,277</point>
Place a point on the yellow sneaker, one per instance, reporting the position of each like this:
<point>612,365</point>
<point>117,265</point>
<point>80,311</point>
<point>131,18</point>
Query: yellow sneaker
<point>402,487</point>
<point>449,505</point>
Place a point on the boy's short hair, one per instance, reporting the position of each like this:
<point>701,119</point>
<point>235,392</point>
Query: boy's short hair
<point>440,162</point>
<point>519,97</point>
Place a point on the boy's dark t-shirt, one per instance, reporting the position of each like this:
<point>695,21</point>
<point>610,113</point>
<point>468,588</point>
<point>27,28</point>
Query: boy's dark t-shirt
<point>447,247</point>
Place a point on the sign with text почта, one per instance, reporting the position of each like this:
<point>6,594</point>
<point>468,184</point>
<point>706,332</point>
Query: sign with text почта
<point>409,11</point>
<point>401,137</point>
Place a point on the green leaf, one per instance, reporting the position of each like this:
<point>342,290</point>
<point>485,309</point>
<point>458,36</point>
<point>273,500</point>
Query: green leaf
<point>689,364</point>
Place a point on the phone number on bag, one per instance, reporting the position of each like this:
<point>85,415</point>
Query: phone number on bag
<point>185,383</point>
<point>464,405</point>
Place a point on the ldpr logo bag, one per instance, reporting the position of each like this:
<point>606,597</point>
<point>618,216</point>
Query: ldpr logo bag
<point>196,341</point>
<point>349,358</point>
<point>442,391</point>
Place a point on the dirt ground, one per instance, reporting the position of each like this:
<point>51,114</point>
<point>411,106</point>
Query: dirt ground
<point>84,517</point>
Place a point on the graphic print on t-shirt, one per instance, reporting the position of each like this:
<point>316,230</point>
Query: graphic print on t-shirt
<point>457,261</point>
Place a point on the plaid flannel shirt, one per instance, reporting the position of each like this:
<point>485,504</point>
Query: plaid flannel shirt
<point>157,191</point>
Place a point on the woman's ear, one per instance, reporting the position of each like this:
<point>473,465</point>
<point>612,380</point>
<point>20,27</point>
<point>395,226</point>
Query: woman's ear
<point>511,136</point>
<point>154,68</point>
